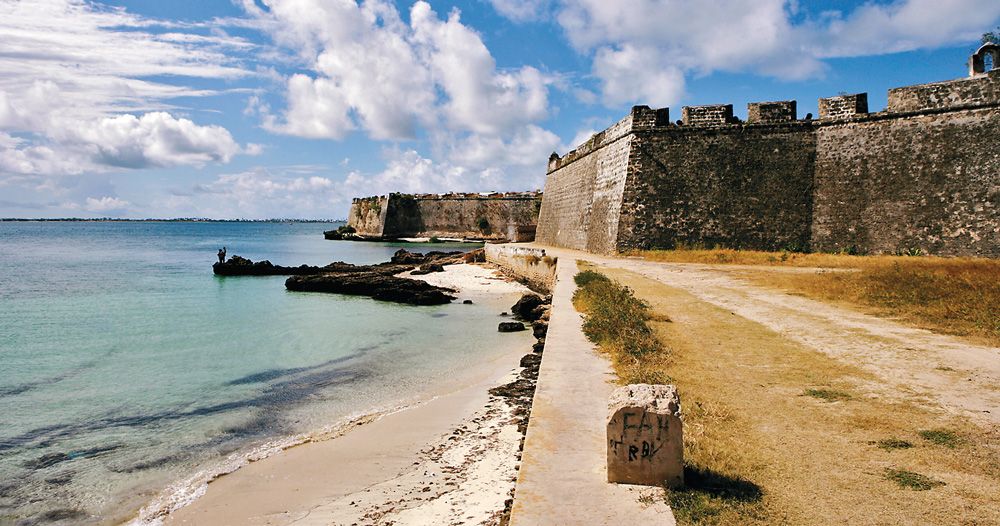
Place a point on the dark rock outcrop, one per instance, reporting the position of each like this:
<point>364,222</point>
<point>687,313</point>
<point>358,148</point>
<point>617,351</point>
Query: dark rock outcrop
<point>404,257</point>
<point>374,285</point>
<point>531,360</point>
<point>427,268</point>
<point>539,329</point>
<point>238,266</point>
<point>511,326</point>
<point>344,232</point>
<point>376,281</point>
<point>525,307</point>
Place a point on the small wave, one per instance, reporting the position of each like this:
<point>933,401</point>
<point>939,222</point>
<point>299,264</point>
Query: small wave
<point>183,493</point>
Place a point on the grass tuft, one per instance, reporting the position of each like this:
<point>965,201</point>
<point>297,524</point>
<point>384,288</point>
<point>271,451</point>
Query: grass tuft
<point>615,319</point>
<point>827,395</point>
<point>618,322</point>
<point>586,277</point>
<point>890,444</point>
<point>911,480</point>
<point>941,437</point>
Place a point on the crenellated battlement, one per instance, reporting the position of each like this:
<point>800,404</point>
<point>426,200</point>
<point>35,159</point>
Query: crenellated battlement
<point>843,106</point>
<point>922,173</point>
<point>496,216</point>
<point>772,112</point>
<point>710,115</point>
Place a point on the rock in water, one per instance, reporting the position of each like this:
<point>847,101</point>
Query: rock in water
<point>525,307</point>
<point>239,266</point>
<point>376,286</point>
<point>511,326</point>
<point>540,329</point>
<point>376,281</point>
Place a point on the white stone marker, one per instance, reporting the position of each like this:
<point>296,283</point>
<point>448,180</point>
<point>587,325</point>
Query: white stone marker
<point>645,442</point>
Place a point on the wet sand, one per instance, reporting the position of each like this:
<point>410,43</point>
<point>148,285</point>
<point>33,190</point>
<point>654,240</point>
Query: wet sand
<point>451,459</point>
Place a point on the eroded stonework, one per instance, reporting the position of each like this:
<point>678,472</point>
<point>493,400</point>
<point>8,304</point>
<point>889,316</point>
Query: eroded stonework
<point>922,174</point>
<point>496,217</point>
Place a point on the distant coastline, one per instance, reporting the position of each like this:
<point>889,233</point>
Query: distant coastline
<point>161,220</point>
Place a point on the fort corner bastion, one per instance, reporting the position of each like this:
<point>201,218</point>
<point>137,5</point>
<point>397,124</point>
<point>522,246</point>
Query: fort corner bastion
<point>510,216</point>
<point>922,174</point>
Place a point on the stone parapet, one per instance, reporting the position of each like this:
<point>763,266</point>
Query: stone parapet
<point>772,112</point>
<point>843,106</point>
<point>525,264</point>
<point>711,115</point>
<point>976,91</point>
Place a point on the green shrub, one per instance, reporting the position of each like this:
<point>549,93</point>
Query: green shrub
<point>911,480</point>
<point>615,319</point>
<point>588,276</point>
<point>941,437</point>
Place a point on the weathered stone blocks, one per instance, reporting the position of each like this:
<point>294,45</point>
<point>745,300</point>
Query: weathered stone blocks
<point>508,216</point>
<point>923,174</point>
<point>711,115</point>
<point>645,440</point>
<point>843,106</point>
<point>772,112</point>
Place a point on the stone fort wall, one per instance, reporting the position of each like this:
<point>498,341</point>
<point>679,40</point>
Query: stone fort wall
<point>500,217</point>
<point>922,174</point>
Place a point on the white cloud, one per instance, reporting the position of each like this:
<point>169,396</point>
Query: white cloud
<point>370,70</point>
<point>258,193</point>
<point>364,70</point>
<point>528,148</point>
<point>903,25</point>
<point>105,204</point>
<point>103,59</point>
<point>629,73</point>
<point>155,139</point>
<point>480,98</point>
<point>522,10</point>
<point>644,49</point>
<point>78,89</point>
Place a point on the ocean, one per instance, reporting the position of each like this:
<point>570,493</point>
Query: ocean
<point>126,365</point>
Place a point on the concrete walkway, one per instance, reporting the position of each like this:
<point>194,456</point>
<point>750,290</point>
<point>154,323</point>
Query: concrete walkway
<point>563,479</point>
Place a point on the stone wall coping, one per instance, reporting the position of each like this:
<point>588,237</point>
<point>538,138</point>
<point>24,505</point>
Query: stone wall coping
<point>602,139</point>
<point>566,160</point>
<point>461,197</point>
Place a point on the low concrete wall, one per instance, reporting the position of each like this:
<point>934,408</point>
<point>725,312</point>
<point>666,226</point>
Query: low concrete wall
<point>526,264</point>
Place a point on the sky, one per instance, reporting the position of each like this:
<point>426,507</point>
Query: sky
<point>289,108</point>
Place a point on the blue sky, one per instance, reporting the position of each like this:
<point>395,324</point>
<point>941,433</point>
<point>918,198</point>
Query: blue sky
<point>289,108</point>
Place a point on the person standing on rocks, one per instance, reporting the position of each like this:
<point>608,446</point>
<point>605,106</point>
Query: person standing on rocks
<point>222,255</point>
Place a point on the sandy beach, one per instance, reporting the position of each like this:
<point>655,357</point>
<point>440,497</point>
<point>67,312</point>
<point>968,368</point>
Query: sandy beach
<point>451,458</point>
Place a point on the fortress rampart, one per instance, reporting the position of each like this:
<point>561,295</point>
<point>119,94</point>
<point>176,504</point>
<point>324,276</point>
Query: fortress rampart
<point>498,217</point>
<point>922,174</point>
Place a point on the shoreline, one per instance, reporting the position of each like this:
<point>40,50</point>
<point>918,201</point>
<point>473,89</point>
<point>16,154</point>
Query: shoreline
<point>454,444</point>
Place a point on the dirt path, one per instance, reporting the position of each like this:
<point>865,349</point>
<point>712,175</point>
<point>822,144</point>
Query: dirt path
<point>789,434</point>
<point>942,370</point>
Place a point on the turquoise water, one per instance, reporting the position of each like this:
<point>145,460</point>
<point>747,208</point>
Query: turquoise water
<point>125,364</point>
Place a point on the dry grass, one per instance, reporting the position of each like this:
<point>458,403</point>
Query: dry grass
<point>760,450</point>
<point>958,296</point>
<point>617,322</point>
